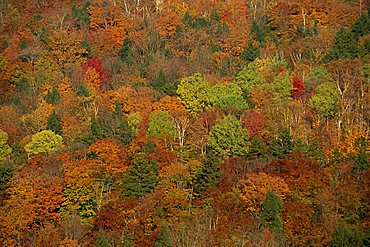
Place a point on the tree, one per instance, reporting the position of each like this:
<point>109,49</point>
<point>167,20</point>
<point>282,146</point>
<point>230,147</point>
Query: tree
<point>298,88</point>
<point>345,46</point>
<point>163,85</point>
<point>362,162</point>
<point>250,52</point>
<point>228,138</point>
<point>228,96</point>
<point>140,179</point>
<point>347,236</point>
<point>281,146</point>
<point>52,96</point>
<point>270,212</point>
<point>362,26</point>
<point>251,76</point>
<point>124,133</point>
<point>6,173</point>
<point>54,123</point>
<point>102,241</point>
<point>5,149</point>
<point>194,93</point>
<point>125,53</point>
<point>280,89</point>
<point>104,76</point>
<point>161,125</point>
<point>163,239</point>
<point>207,175</point>
<point>44,142</point>
<point>253,190</point>
<point>326,100</point>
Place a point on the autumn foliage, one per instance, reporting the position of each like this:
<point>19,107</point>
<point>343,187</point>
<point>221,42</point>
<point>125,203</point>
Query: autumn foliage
<point>184,123</point>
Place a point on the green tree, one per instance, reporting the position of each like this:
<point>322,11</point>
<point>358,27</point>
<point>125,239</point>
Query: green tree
<point>270,212</point>
<point>249,77</point>
<point>5,149</point>
<point>362,26</point>
<point>281,146</point>
<point>54,123</point>
<point>208,174</point>
<point>125,53</point>
<point>52,96</point>
<point>228,95</point>
<point>43,142</point>
<point>345,46</point>
<point>362,159</point>
<point>315,77</point>
<point>258,32</point>
<point>281,88</point>
<point>326,99</point>
<point>228,138</point>
<point>102,241</point>
<point>161,125</point>
<point>194,93</point>
<point>164,239</point>
<point>96,132</point>
<point>163,86</point>
<point>250,52</point>
<point>347,236</point>
<point>6,173</point>
<point>125,133</point>
<point>141,178</point>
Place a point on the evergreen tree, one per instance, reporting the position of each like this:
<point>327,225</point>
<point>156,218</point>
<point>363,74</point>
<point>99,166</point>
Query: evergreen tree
<point>258,32</point>
<point>96,132</point>
<point>281,146</point>
<point>347,236</point>
<point>125,52</point>
<point>208,174</point>
<point>54,123</point>
<point>362,26</point>
<point>124,133</point>
<point>52,96</point>
<point>118,111</point>
<point>161,84</point>
<point>270,212</point>
<point>141,178</point>
<point>102,241</point>
<point>163,239</point>
<point>257,148</point>
<point>82,91</point>
<point>362,159</point>
<point>215,17</point>
<point>250,53</point>
<point>88,48</point>
<point>345,46</point>
<point>6,173</point>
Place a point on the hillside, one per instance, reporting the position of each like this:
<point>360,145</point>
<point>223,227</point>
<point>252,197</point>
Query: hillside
<point>184,123</point>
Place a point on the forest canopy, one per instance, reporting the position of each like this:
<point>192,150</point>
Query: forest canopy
<point>184,123</point>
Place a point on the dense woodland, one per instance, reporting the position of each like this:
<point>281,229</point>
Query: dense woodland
<point>184,123</point>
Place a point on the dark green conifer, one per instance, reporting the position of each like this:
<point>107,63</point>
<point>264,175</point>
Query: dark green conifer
<point>163,239</point>
<point>281,146</point>
<point>52,96</point>
<point>54,123</point>
<point>270,212</point>
<point>141,178</point>
<point>347,236</point>
<point>102,241</point>
<point>125,52</point>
